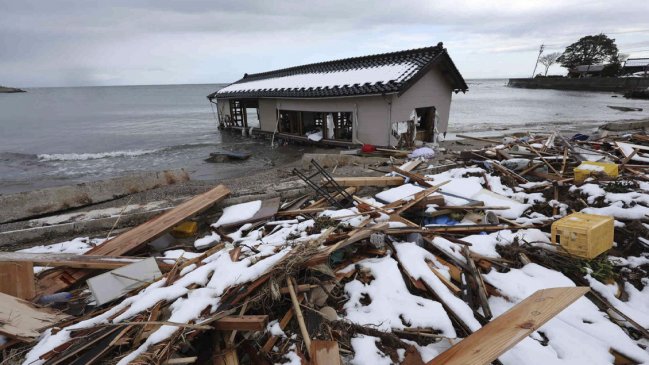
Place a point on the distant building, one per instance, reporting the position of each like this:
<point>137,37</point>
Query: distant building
<point>586,71</point>
<point>349,101</point>
<point>633,65</point>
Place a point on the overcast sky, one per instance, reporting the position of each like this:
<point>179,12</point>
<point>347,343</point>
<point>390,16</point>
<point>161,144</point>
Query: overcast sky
<point>115,42</point>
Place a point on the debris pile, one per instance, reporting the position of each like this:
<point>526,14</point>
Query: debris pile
<point>424,265</point>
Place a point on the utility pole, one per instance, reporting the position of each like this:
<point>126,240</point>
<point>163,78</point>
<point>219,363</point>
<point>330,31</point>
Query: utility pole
<point>537,60</point>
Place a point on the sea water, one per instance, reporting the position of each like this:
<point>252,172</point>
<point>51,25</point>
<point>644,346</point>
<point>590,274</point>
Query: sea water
<point>58,136</point>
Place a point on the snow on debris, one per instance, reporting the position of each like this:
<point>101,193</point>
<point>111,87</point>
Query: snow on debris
<point>580,334</point>
<point>371,75</point>
<point>366,352</point>
<point>238,212</point>
<point>398,193</point>
<point>414,258</point>
<point>78,246</point>
<point>216,275</point>
<point>464,185</point>
<point>391,305</point>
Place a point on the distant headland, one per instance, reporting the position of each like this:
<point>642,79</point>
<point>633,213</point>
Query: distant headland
<point>9,90</point>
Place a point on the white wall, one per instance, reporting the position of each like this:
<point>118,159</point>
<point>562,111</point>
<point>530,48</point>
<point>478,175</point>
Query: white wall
<point>431,90</point>
<point>373,115</point>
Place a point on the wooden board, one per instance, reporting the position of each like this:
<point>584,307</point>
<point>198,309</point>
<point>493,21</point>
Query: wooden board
<point>17,279</point>
<point>369,181</point>
<point>20,319</point>
<point>72,260</point>
<point>325,353</point>
<point>134,238</point>
<point>242,323</point>
<point>501,334</point>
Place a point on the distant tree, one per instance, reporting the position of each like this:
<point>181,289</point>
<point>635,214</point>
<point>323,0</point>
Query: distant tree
<point>614,67</point>
<point>548,60</point>
<point>589,50</point>
<point>622,57</point>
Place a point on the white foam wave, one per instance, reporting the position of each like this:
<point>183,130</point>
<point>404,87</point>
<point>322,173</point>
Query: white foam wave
<point>92,156</point>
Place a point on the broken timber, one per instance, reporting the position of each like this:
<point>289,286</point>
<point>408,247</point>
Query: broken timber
<point>501,334</point>
<point>134,238</point>
<point>75,261</point>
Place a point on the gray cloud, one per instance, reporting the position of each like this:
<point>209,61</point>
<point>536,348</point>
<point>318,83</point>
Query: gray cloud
<point>118,41</point>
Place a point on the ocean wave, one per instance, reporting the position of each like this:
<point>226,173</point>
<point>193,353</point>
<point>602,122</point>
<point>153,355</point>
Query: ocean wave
<point>118,154</point>
<point>92,156</point>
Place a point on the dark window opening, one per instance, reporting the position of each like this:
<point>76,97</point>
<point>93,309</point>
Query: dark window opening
<point>332,125</point>
<point>289,122</point>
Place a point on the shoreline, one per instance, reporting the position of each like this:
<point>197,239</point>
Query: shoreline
<point>265,158</point>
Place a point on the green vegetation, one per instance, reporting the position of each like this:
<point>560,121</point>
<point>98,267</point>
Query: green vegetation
<point>590,50</point>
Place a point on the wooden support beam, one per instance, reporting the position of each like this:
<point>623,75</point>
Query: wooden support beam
<point>300,318</point>
<point>479,283</point>
<point>509,172</point>
<point>369,181</point>
<point>242,323</point>
<point>75,261</point>
<point>293,213</point>
<point>501,334</point>
<point>135,238</point>
<point>419,179</point>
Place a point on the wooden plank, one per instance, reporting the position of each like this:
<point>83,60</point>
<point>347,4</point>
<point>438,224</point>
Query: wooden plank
<point>292,213</point>
<point>478,139</point>
<point>369,181</point>
<point>75,261</point>
<point>298,315</point>
<point>410,165</point>
<point>325,353</point>
<point>501,334</point>
<point>17,279</point>
<point>419,179</point>
<point>134,238</point>
<point>452,287</point>
<point>20,319</point>
<point>242,323</point>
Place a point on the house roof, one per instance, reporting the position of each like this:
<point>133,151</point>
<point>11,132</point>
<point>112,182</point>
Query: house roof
<point>375,74</point>
<point>636,62</point>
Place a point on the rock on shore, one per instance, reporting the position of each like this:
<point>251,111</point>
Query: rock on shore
<point>9,90</point>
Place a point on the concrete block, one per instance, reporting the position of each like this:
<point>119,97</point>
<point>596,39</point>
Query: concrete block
<point>40,202</point>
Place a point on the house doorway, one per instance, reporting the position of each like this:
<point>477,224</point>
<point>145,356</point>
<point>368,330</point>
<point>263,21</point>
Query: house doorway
<point>426,123</point>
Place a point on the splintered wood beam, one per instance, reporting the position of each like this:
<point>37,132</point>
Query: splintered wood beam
<point>419,179</point>
<point>369,181</point>
<point>501,334</point>
<point>298,314</point>
<point>242,323</point>
<point>133,239</point>
<point>75,261</point>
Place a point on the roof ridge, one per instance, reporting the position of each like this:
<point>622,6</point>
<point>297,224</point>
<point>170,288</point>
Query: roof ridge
<point>251,77</point>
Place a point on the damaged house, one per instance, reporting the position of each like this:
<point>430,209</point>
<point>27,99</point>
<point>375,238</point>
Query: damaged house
<point>346,102</point>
